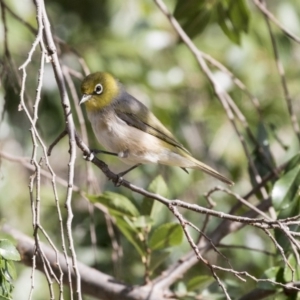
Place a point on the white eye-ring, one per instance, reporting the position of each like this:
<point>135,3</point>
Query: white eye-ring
<point>98,89</point>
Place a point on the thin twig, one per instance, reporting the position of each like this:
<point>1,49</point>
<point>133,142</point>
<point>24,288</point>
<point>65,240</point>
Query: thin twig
<point>242,247</point>
<point>280,68</point>
<point>271,17</point>
<point>71,134</point>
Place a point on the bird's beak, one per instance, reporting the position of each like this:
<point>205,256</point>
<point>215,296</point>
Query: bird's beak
<point>85,98</point>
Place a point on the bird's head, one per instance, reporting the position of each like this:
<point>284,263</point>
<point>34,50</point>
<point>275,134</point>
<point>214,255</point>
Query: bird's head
<point>99,90</point>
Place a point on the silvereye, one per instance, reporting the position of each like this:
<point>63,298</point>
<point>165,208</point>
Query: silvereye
<point>125,126</point>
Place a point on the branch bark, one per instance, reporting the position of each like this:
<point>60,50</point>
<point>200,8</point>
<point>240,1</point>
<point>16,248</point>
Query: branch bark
<point>93,282</point>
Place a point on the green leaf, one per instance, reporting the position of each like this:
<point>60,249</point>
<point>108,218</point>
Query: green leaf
<point>196,24</point>
<point>166,235</point>
<point>239,15</point>
<point>272,274</point>
<point>226,25</point>
<point>131,233</point>
<point>194,15</point>
<point>199,282</point>
<point>10,268</point>
<point>263,159</point>
<point>291,210</point>
<point>285,189</point>
<point>158,186</point>
<point>233,18</point>
<point>157,258</point>
<point>292,163</point>
<point>5,275</point>
<point>117,204</point>
<point>6,286</point>
<point>261,165</point>
<point>142,222</point>
<point>185,9</point>
<point>127,217</point>
<point>152,207</point>
<point>8,250</point>
<point>287,274</point>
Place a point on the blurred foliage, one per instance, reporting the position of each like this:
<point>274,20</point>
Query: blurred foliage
<point>8,254</point>
<point>231,15</point>
<point>134,41</point>
<point>137,227</point>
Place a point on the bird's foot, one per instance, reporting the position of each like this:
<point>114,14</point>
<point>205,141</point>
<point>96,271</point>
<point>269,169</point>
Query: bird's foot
<point>90,156</point>
<point>118,180</point>
<point>120,175</point>
<point>93,152</point>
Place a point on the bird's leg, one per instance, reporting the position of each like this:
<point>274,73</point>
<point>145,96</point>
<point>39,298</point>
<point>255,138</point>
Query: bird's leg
<point>97,151</point>
<point>121,174</point>
<point>128,170</point>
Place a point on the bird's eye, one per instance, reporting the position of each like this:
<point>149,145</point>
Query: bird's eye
<point>98,89</point>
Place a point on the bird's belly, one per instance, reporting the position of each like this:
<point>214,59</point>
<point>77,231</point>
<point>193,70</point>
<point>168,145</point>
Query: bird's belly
<point>136,146</point>
<point>128,147</point>
<point>131,144</point>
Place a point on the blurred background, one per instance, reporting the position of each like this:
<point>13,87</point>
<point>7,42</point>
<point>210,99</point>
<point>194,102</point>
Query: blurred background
<point>134,41</point>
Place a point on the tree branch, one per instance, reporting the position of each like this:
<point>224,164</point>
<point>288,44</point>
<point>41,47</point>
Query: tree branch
<point>93,282</point>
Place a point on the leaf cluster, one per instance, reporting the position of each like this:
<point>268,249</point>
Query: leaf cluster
<point>137,224</point>
<point>8,254</point>
<point>231,15</point>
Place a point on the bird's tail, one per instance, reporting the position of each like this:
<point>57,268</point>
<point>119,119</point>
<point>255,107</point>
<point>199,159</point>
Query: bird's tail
<point>205,168</point>
<point>212,172</point>
<point>183,159</point>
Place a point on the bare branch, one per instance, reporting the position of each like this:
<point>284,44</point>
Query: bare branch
<point>261,5</point>
<point>280,68</point>
<point>71,133</point>
<point>94,283</point>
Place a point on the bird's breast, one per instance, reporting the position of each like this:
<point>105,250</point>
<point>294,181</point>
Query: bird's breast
<point>107,130</point>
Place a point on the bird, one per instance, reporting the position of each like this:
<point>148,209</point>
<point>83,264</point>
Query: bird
<point>127,128</point>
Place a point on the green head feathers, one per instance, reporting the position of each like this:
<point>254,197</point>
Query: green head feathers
<point>99,90</point>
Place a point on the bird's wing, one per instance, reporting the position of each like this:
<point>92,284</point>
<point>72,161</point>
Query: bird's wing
<point>137,115</point>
